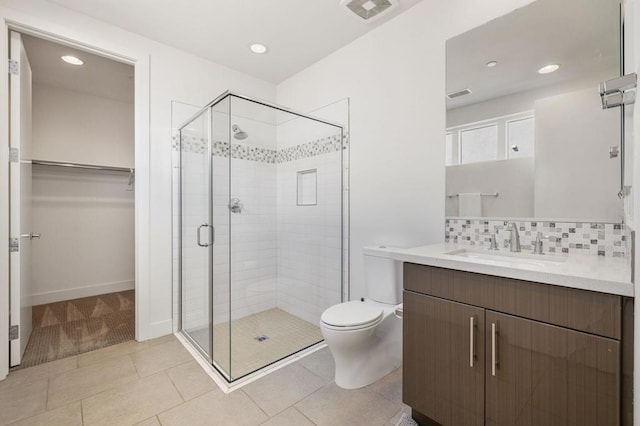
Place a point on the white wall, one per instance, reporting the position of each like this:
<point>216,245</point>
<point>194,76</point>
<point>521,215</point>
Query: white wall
<point>81,128</point>
<point>162,74</point>
<point>395,79</point>
<point>86,247</point>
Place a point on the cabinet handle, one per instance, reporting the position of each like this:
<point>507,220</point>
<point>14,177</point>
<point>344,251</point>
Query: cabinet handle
<point>471,343</point>
<point>494,348</point>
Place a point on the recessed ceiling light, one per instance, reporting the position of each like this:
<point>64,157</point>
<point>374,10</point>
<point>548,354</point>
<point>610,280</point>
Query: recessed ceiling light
<point>547,69</point>
<point>492,64</point>
<point>258,48</point>
<point>72,60</point>
<point>369,5</point>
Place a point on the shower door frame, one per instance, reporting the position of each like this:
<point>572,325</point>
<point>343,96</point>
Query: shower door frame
<point>344,213</point>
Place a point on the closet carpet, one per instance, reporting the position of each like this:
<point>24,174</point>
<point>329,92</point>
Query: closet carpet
<point>72,327</point>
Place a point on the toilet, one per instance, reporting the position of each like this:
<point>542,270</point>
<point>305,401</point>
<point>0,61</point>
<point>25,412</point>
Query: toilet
<point>365,336</point>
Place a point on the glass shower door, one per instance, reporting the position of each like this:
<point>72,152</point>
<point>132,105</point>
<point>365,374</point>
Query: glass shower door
<point>196,232</point>
<point>204,189</point>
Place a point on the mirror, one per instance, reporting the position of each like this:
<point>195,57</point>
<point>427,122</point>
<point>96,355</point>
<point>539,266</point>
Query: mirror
<point>526,134</point>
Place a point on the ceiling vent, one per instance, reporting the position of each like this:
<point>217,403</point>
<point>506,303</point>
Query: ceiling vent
<point>458,93</point>
<point>369,10</point>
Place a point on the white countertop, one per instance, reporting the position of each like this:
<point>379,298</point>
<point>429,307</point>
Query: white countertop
<point>596,273</point>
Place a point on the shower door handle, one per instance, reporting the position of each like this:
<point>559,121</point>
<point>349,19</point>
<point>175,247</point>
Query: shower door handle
<point>198,236</point>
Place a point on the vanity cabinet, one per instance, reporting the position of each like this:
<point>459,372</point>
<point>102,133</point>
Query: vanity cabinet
<point>484,350</point>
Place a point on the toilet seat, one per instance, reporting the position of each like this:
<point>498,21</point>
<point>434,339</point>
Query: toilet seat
<point>352,315</point>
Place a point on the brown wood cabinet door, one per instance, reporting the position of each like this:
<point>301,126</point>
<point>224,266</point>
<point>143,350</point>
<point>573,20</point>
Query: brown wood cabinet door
<point>441,377</point>
<point>547,375</point>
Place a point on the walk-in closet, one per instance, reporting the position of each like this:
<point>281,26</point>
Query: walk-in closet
<point>72,201</point>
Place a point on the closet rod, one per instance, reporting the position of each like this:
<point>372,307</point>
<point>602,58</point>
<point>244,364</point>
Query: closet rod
<point>82,166</point>
<point>482,194</point>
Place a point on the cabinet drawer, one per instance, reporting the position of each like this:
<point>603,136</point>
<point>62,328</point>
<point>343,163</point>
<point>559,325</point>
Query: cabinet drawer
<point>588,311</point>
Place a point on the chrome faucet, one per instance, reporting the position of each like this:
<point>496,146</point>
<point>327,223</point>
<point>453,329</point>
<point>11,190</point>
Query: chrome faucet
<point>493,240</point>
<point>514,237</point>
<point>537,245</point>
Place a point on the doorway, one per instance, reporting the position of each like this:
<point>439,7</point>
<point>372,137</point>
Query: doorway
<point>72,260</point>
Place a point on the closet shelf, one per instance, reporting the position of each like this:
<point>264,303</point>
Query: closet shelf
<point>82,166</point>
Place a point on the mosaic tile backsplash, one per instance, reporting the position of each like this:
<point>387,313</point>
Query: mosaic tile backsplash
<point>601,239</point>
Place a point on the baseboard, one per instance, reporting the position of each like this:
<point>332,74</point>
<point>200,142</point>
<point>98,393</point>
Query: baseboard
<point>157,329</point>
<point>78,292</point>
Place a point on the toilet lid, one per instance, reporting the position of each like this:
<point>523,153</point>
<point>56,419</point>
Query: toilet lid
<point>351,314</point>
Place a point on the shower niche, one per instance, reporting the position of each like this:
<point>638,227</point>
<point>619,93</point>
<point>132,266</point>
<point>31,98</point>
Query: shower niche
<point>257,267</point>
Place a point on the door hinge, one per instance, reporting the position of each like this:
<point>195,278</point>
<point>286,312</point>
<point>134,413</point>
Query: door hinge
<point>14,332</point>
<point>619,91</point>
<point>14,245</point>
<point>14,67</point>
<point>14,155</point>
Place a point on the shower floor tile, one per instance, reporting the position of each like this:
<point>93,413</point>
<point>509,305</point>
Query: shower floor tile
<point>285,334</point>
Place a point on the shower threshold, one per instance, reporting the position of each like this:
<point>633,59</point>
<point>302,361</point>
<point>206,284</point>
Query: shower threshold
<point>228,387</point>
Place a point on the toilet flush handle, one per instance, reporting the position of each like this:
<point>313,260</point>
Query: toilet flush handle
<point>399,311</point>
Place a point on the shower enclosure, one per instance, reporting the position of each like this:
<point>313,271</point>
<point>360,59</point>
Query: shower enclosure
<point>262,231</point>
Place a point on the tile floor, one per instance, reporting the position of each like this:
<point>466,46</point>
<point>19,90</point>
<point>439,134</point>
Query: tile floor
<point>286,334</point>
<point>158,383</point>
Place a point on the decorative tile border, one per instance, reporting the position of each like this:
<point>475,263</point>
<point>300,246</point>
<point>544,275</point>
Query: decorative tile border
<point>601,239</point>
<point>310,149</point>
<point>246,152</point>
<point>190,144</point>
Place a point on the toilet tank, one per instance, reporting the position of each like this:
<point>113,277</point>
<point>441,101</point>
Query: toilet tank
<point>382,275</point>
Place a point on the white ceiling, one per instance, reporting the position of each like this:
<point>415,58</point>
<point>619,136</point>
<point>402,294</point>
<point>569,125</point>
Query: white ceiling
<point>98,76</point>
<point>580,35</point>
<point>297,32</point>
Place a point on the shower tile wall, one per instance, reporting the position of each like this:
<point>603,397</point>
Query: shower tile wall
<point>253,239</point>
<point>309,237</point>
<point>253,231</point>
<point>309,247</point>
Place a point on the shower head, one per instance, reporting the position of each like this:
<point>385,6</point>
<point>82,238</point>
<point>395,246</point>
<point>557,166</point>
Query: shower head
<point>238,133</point>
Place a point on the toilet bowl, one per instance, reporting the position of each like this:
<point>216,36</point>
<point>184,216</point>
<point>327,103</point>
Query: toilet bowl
<point>365,336</point>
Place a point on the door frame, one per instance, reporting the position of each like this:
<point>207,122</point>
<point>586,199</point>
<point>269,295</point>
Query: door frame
<point>139,59</point>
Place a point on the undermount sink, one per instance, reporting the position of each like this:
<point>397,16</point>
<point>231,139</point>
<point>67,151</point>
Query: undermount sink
<point>508,258</point>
